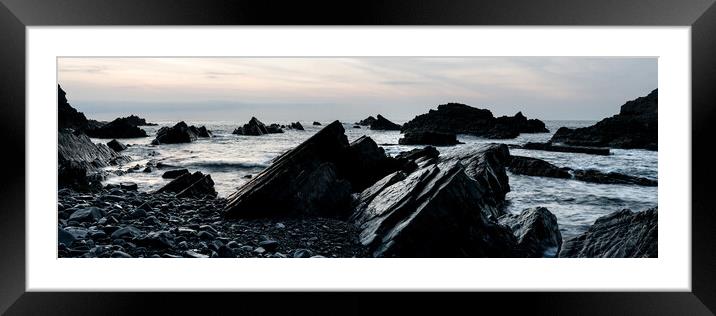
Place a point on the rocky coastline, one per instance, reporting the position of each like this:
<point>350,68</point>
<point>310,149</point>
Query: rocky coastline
<point>328,197</point>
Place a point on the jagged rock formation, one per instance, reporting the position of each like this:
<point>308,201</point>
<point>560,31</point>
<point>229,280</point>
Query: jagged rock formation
<point>255,128</point>
<point>537,232</point>
<point>636,126</point>
<point>622,234</point>
<point>67,116</point>
<point>296,126</point>
<point>447,207</point>
<point>456,118</point>
<point>195,185</point>
<point>366,122</point>
<point>119,128</point>
<point>382,123</point>
<point>116,145</point>
<point>138,121</point>
<point>80,161</point>
<point>180,133</point>
<point>316,123</point>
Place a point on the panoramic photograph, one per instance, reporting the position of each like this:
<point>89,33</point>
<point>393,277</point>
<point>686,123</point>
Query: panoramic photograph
<point>360,157</point>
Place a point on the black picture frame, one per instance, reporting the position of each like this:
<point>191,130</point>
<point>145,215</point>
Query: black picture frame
<point>16,15</point>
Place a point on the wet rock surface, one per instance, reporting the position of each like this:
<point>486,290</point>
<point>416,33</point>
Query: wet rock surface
<point>622,234</point>
<point>80,161</point>
<point>191,228</point>
<point>116,145</point>
<point>382,123</point>
<point>536,230</point>
<point>536,167</point>
<point>195,185</point>
<point>636,126</point>
<point>456,118</point>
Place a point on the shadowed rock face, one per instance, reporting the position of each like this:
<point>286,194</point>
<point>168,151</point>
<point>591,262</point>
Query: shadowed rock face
<point>116,145</point>
<point>316,178</point>
<point>119,128</point>
<point>596,176</point>
<point>366,122</point>
<point>67,116</point>
<point>486,165</point>
<point>456,118</point>
<point>537,232</point>
<point>80,161</point>
<point>445,208</point>
<point>622,234</point>
<point>195,185</point>
<point>382,123</point>
<point>636,126</point>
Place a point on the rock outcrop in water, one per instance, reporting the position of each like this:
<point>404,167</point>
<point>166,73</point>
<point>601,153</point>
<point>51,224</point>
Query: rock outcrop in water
<point>180,133</point>
<point>67,116</point>
<point>296,126</point>
<point>428,138</point>
<point>383,124</point>
<point>537,232</point>
<point>80,161</point>
<point>456,118</point>
<point>116,145</point>
<point>366,122</point>
<point>196,185</point>
<point>536,167</point>
<point>256,128</point>
<point>622,234</point>
<point>567,148</point>
<point>636,126</point>
<point>119,128</point>
<point>442,209</point>
<point>138,121</point>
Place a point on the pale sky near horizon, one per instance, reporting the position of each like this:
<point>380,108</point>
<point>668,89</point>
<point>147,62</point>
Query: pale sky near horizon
<point>308,89</point>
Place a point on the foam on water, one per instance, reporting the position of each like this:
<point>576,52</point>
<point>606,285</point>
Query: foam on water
<point>230,158</point>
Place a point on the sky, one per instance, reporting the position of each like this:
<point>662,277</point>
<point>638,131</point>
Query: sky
<point>323,89</point>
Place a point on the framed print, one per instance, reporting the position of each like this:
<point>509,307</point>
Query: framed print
<point>473,147</point>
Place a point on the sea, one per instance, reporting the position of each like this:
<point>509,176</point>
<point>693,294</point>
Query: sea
<point>231,158</point>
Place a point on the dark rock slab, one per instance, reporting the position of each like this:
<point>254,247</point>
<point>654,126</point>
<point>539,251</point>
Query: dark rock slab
<point>173,174</point>
<point>116,145</point>
<point>536,167</point>
<point>596,176</point>
<point>435,211</point>
<point>194,184</point>
<point>636,126</point>
<point>382,123</point>
<point>456,118</point>
<point>316,123</point>
<point>177,134</point>
<point>486,165</point>
<point>366,122</point>
<point>428,138</point>
<point>536,230</point>
<point>80,161</point>
<point>256,128</point>
<point>567,148</point>
<point>316,178</point>
<point>622,234</point>
<point>119,128</point>
<point>296,126</point>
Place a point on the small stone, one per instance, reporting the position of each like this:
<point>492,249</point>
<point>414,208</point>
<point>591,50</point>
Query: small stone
<point>126,232</point>
<point>318,256</point>
<point>120,254</point>
<point>183,245</point>
<point>247,248</point>
<point>205,235</point>
<point>280,226</point>
<point>269,245</point>
<point>259,250</point>
<point>138,213</point>
<point>88,214</point>
<point>302,253</point>
<point>64,237</point>
<point>233,244</point>
<point>128,186</point>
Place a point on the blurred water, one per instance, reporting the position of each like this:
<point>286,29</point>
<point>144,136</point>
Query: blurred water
<point>229,158</point>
